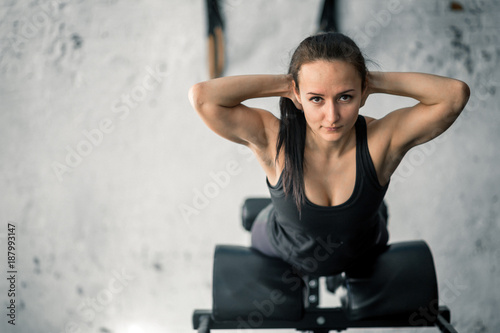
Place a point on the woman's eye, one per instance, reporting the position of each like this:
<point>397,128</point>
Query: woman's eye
<point>345,98</point>
<point>315,99</point>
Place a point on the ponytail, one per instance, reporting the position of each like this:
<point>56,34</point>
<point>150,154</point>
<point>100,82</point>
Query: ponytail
<point>292,138</point>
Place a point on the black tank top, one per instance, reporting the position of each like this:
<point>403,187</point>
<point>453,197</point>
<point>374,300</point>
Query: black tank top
<point>327,240</point>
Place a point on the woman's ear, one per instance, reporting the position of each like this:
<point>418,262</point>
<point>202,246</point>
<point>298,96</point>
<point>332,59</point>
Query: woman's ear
<point>295,96</point>
<point>296,92</point>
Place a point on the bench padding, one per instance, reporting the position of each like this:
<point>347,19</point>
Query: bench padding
<point>401,280</point>
<point>251,287</point>
<point>248,285</point>
<point>250,209</point>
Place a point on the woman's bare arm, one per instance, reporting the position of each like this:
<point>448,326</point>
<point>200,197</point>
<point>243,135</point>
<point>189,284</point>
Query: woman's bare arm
<point>218,102</point>
<point>440,99</point>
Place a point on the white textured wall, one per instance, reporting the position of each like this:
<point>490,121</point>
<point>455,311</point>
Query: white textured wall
<point>102,245</point>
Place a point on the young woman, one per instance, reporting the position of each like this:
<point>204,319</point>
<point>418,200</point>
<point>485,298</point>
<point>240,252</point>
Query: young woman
<point>328,167</point>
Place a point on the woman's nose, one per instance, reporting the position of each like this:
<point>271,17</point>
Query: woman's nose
<point>332,113</point>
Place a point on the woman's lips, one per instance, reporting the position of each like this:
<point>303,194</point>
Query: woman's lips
<point>333,129</point>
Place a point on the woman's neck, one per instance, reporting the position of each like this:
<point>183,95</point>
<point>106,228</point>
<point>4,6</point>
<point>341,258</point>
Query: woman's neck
<point>328,149</point>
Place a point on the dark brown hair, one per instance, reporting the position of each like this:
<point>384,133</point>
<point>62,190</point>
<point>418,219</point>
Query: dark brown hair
<point>328,46</point>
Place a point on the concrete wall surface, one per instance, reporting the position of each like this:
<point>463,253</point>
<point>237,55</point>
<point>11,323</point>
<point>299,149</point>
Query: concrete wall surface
<point>116,192</point>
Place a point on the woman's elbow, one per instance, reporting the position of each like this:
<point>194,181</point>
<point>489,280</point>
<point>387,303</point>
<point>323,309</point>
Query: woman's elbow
<point>195,96</point>
<point>460,96</point>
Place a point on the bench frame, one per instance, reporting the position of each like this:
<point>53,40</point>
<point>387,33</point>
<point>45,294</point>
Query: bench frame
<point>322,320</point>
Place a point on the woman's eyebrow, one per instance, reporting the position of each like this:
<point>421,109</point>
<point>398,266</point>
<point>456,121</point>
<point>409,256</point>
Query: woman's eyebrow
<point>340,93</point>
<point>348,90</point>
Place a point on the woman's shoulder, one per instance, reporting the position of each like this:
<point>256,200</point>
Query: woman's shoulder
<point>375,125</point>
<point>368,120</point>
<point>379,141</point>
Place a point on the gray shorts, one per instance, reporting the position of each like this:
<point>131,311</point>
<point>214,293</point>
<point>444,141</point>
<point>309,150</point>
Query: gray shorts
<point>260,239</point>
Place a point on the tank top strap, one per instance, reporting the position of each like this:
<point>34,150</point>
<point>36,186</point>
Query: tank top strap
<point>363,152</point>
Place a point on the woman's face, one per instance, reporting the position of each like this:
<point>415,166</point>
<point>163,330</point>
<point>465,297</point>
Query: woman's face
<point>330,94</point>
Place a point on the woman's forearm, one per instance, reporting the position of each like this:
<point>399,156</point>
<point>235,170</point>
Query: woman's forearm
<point>428,89</point>
<point>232,90</point>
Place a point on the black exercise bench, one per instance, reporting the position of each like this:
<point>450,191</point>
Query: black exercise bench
<point>253,291</point>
